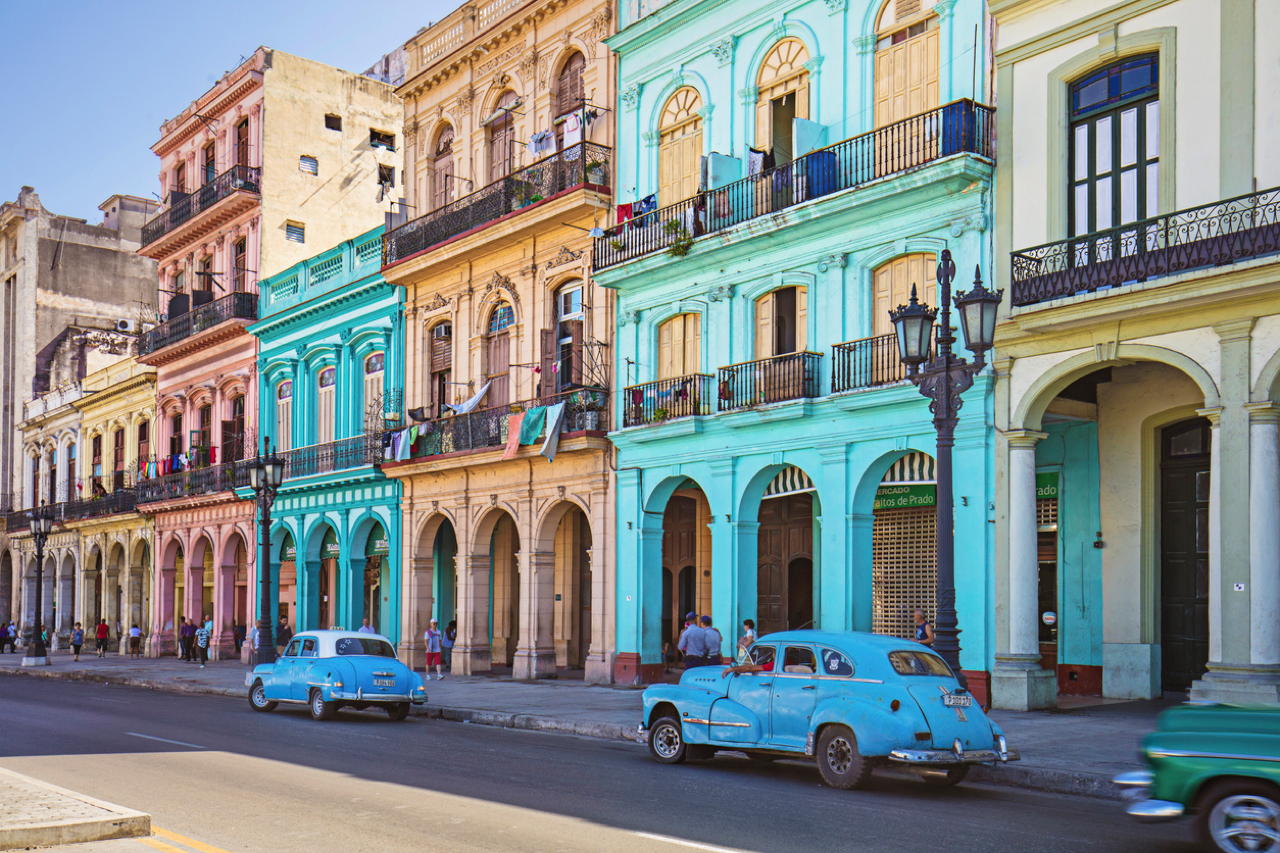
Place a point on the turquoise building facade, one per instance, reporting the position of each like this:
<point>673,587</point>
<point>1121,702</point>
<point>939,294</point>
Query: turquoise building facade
<point>786,174</point>
<point>331,351</point>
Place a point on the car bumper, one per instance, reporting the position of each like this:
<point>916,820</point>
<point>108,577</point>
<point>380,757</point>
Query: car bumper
<point>378,698</point>
<point>934,757</point>
<point>1134,787</point>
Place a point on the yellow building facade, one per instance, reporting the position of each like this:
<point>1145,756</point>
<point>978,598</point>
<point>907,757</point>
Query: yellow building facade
<point>508,166</point>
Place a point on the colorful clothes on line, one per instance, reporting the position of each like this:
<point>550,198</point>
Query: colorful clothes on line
<point>552,443</point>
<point>514,423</point>
<point>534,419</point>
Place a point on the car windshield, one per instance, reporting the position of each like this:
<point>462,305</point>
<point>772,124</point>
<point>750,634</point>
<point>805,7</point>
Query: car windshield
<point>363,646</point>
<point>918,663</point>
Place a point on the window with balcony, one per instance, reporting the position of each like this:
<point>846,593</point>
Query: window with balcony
<point>239,252</point>
<point>680,146</point>
<point>374,376</point>
<point>1114,145</point>
<point>35,480</point>
<point>51,477</point>
<point>891,285</point>
<point>500,137</point>
<point>497,352</point>
<point>325,383</point>
<point>562,351</point>
<point>569,93</point>
<point>144,443</point>
<point>202,437</point>
<point>117,460</point>
<point>680,346</point>
<point>70,472</point>
<point>233,430</point>
<point>242,143</point>
<point>440,173</point>
<point>210,167</point>
<point>440,366</point>
<point>906,61</point>
<point>175,438</point>
<point>179,179</point>
<point>284,415</point>
<point>781,321</point>
<point>95,466</point>
<point>782,96</point>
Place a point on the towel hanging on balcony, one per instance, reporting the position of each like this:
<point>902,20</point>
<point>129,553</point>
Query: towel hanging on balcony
<point>534,418</point>
<point>625,211</point>
<point>542,142</point>
<point>463,408</point>
<point>514,434</point>
<point>552,443</point>
<point>648,204</point>
<point>405,447</point>
<point>755,161</point>
<point>572,130</point>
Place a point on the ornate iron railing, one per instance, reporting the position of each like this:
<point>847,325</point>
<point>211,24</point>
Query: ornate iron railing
<point>584,164</point>
<point>866,363</point>
<point>585,409</point>
<point>957,127</point>
<point>655,402</point>
<point>768,380</point>
<point>18,519</point>
<point>339,455</point>
<point>1236,229</point>
<point>239,305</point>
<point>196,481</point>
<point>122,500</point>
<point>183,206</point>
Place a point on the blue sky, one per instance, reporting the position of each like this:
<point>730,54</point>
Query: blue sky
<point>87,82</point>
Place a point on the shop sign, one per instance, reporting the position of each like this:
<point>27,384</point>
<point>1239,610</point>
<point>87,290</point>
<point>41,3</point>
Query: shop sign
<point>288,552</point>
<point>1047,485</point>
<point>329,551</point>
<point>905,495</point>
<point>377,547</point>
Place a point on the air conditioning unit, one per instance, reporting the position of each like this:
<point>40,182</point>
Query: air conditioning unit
<point>127,326</point>
<point>442,330</point>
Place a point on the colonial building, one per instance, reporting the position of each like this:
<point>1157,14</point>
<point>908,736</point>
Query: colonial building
<point>282,155</point>
<point>330,354</point>
<point>787,174</point>
<point>508,161</point>
<point>1138,505</point>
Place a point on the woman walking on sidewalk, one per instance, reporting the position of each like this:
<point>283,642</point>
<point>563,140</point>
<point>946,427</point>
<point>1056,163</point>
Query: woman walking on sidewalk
<point>77,641</point>
<point>432,642</point>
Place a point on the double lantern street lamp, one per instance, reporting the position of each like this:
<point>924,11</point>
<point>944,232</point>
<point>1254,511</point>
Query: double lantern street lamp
<point>943,377</point>
<point>41,527</point>
<point>266,473</point>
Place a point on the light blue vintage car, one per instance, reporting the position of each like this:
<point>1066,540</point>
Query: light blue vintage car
<point>326,670</point>
<point>849,700</point>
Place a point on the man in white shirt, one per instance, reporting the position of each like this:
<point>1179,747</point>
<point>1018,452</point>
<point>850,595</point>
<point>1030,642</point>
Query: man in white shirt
<point>366,628</point>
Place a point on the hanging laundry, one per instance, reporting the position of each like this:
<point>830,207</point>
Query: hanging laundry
<point>572,134</point>
<point>542,142</point>
<point>552,442</point>
<point>405,448</point>
<point>213,456</point>
<point>625,212</point>
<point>755,161</point>
<point>513,435</point>
<point>590,116</point>
<point>413,433</point>
<point>463,408</point>
<point>648,204</point>
<point>395,446</point>
<point>534,418</point>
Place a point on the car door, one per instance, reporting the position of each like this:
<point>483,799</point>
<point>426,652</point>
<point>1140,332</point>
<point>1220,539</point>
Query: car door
<point>742,716</point>
<point>300,687</point>
<point>280,684</point>
<point>795,692</point>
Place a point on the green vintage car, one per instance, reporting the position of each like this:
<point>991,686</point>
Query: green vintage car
<point>1219,765</point>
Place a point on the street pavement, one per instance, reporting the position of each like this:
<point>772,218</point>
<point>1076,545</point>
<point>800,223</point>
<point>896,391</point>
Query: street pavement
<point>216,776</point>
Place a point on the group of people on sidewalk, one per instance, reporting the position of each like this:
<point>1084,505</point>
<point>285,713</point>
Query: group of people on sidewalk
<point>700,642</point>
<point>9,637</point>
<point>193,641</point>
<point>438,646</point>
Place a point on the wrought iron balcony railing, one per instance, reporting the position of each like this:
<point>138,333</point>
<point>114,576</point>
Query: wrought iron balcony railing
<point>183,206</point>
<point>958,127</point>
<point>1224,232</point>
<point>239,305</point>
<point>866,363</point>
<point>196,481</point>
<point>768,380</point>
<point>585,409</point>
<point>680,397</point>
<point>584,164</point>
<point>112,503</point>
<point>339,455</point>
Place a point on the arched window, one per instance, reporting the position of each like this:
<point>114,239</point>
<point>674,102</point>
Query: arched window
<point>441,173</point>
<point>906,60</point>
<point>891,286</point>
<point>1114,157</point>
<point>680,146</point>
<point>782,96</point>
<point>782,318</point>
<point>284,415</point>
<point>569,84</point>
<point>325,382</point>
<point>501,136</point>
<point>680,346</point>
<point>497,351</point>
<point>440,365</point>
<point>374,366</point>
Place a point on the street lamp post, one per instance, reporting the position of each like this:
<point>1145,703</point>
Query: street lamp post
<point>266,473</point>
<point>943,378</point>
<point>41,526</point>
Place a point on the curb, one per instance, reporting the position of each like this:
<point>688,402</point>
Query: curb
<point>120,822</point>
<point>1049,780</point>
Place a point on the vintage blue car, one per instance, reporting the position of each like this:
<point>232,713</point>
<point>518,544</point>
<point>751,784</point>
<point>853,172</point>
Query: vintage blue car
<point>327,670</point>
<point>850,700</point>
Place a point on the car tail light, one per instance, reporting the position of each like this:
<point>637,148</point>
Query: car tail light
<point>895,705</point>
<point>922,735</point>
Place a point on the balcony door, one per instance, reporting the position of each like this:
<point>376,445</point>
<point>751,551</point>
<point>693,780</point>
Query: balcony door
<point>440,366</point>
<point>502,138</point>
<point>679,146</point>
<point>892,283</point>
<point>1184,552</point>
<point>680,346</point>
<point>906,69</point>
<point>325,383</point>
<point>441,174</point>
<point>781,321</point>
<point>284,415</point>
<point>498,355</point>
<point>374,391</point>
<point>117,460</point>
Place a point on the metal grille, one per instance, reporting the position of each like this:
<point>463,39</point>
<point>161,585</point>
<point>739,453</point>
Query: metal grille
<point>904,569</point>
<point>1047,513</point>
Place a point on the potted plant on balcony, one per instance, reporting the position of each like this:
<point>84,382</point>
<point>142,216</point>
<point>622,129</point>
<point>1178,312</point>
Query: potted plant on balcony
<point>660,414</point>
<point>585,405</point>
<point>681,239</point>
<point>596,172</point>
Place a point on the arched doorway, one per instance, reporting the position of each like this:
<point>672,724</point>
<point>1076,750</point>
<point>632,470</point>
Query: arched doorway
<point>1184,552</point>
<point>904,560</point>
<point>139,590</point>
<point>65,607</point>
<point>376,579</point>
<point>444,575</point>
<point>322,599</point>
<point>504,591</point>
<point>178,604</point>
<point>686,562</point>
<point>784,553</point>
<point>285,604</point>
<point>570,604</point>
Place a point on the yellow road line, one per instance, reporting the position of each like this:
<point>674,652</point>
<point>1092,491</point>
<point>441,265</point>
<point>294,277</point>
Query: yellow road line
<point>189,842</point>
<point>160,845</point>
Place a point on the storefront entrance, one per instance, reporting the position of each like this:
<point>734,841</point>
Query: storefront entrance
<point>1184,552</point>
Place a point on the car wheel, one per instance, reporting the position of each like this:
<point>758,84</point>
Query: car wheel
<point>1240,815</point>
<point>320,709</point>
<point>397,711</point>
<point>666,741</point>
<point>946,777</point>
<point>839,761</point>
<point>258,700</point>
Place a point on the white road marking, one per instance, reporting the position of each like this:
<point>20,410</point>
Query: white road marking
<point>167,740</point>
<point>683,843</point>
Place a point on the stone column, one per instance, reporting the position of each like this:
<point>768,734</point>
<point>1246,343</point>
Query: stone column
<point>473,652</point>
<point>417,607</point>
<point>1264,539</point>
<point>222,645</point>
<point>127,604</point>
<point>160,640</point>
<point>535,655</point>
<point>1018,683</point>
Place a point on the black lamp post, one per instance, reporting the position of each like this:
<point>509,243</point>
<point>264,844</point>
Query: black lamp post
<point>266,473</point>
<point>943,377</point>
<point>41,527</point>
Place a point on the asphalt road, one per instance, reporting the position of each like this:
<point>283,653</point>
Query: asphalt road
<point>217,776</point>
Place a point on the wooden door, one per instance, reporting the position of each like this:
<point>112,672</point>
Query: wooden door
<point>906,75</point>
<point>1184,553</point>
<point>679,343</point>
<point>498,361</point>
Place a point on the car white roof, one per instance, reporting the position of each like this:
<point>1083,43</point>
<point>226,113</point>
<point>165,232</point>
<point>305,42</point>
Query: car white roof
<point>332,635</point>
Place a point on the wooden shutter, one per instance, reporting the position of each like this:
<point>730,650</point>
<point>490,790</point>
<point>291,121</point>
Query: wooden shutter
<point>891,286</point>
<point>549,350</point>
<point>764,326</point>
<point>284,424</point>
<point>575,351</point>
<point>498,362</point>
<point>666,337</point>
<point>802,318</point>
<point>907,77</point>
<point>692,343</point>
<point>324,415</point>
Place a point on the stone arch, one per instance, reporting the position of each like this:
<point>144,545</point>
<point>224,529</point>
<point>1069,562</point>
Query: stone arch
<point>545,526</point>
<point>753,489</point>
<point>655,502</point>
<point>1267,386</point>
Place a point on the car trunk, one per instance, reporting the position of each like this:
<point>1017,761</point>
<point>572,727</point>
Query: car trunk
<point>379,676</point>
<point>946,723</point>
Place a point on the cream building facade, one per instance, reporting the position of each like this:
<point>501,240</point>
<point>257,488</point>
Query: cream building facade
<point>1138,243</point>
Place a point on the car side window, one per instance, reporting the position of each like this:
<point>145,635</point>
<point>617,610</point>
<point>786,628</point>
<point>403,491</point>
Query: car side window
<point>292,650</point>
<point>800,660</point>
<point>762,656</point>
<point>835,663</point>
<point>309,647</point>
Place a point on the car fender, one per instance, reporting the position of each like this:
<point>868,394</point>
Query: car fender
<point>265,673</point>
<point>1185,762</point>
<point>878,728</point>
<point>688,702</point>
<point>327,674</point>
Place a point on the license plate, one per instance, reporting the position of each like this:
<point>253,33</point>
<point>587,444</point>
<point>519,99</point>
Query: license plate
<point>953,700</point>
<point>384,682</point>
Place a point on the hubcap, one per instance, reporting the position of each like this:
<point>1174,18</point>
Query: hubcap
<point>259,695</point>
<point>318,703</point>
<point>839,755</point>
<point>1246,822</point>
<point>666,740</point>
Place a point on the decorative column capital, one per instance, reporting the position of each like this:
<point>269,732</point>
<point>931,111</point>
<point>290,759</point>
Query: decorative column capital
<point>1024,437</point>
<point>1240,329</point>
<point>1263,413</point>
<point>1212,413</point>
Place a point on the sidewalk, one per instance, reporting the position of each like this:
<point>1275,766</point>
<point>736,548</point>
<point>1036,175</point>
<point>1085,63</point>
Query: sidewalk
<point>1072,750</point>
<point>33,814</point>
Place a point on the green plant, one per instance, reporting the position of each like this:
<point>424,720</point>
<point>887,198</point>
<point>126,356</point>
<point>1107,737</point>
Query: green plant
<point>616,245</point>
<point>682,240</point>
<point>661,414</point>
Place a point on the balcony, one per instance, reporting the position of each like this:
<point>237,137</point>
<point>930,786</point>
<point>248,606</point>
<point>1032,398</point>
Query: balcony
<point>866,363</point>
<point>793,376</point>
<point>1225,232</point>
<point>242,181</point>
<point>233,306</point>
<point>197,481</point>
<point>582,165</point>
<point>486,429</point>
<point>958,127</point>
<point>353,452</point>
<point>680,397</point>
<point>121,500</point>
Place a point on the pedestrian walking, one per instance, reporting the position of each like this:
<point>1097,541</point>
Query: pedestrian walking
<point>745,641</point>
<point>203,635</point>
<point>433,642</point>
<point>187,639</point>
<point>691,642</point>
<point>13,638</point>
<point>446,644</point>
<point>135,642</point>
<point>77,641</point>
<point>924,628</point>
<point>254,636</point>
<point>712,642</point>
<point>366,628</point>
<point>283,635</point>
<point>102,633</point>
<point>237,636</point>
